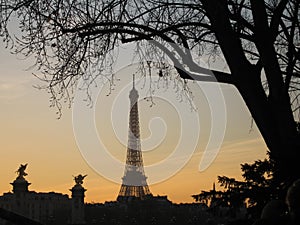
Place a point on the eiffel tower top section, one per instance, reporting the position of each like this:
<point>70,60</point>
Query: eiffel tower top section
<point>134,96</point>
<point>134,128</point>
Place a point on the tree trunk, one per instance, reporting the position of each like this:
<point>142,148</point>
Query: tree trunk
<point>272,114</point>
<point>281,138</point>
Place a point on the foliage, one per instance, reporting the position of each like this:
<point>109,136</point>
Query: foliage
<point>76,39</point>
<point>255,190</point>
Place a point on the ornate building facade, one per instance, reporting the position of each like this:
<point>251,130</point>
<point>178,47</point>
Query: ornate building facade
<point>46,208</point>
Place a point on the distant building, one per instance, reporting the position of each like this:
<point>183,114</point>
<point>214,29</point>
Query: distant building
<point>157,210</point>
<point>47,208</point>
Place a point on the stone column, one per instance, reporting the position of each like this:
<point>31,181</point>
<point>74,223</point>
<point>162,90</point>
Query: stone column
<point>78,202</point>
<point>20,190</point>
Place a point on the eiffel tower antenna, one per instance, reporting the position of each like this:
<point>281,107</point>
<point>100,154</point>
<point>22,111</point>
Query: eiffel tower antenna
<point>133,81</point>
<point>134,181</point>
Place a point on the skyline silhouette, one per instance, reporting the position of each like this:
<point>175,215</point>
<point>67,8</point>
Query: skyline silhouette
<point>43,141</point>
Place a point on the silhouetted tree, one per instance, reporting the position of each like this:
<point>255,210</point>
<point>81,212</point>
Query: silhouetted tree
<point>256,190</point>
<point>72,39</point>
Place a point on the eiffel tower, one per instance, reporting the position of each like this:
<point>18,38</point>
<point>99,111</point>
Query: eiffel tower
<point>134,184</point>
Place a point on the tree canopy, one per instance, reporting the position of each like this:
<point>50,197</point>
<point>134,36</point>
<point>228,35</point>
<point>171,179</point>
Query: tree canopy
<point>255,191</point>
<point>259,40</point>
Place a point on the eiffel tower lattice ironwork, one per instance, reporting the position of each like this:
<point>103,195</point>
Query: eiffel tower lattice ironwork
<point>134,181</point>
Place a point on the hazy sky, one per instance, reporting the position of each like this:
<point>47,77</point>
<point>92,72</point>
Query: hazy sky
<point>30,133</point>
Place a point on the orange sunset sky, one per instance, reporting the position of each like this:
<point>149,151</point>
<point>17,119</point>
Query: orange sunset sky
<point>30,133</point>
